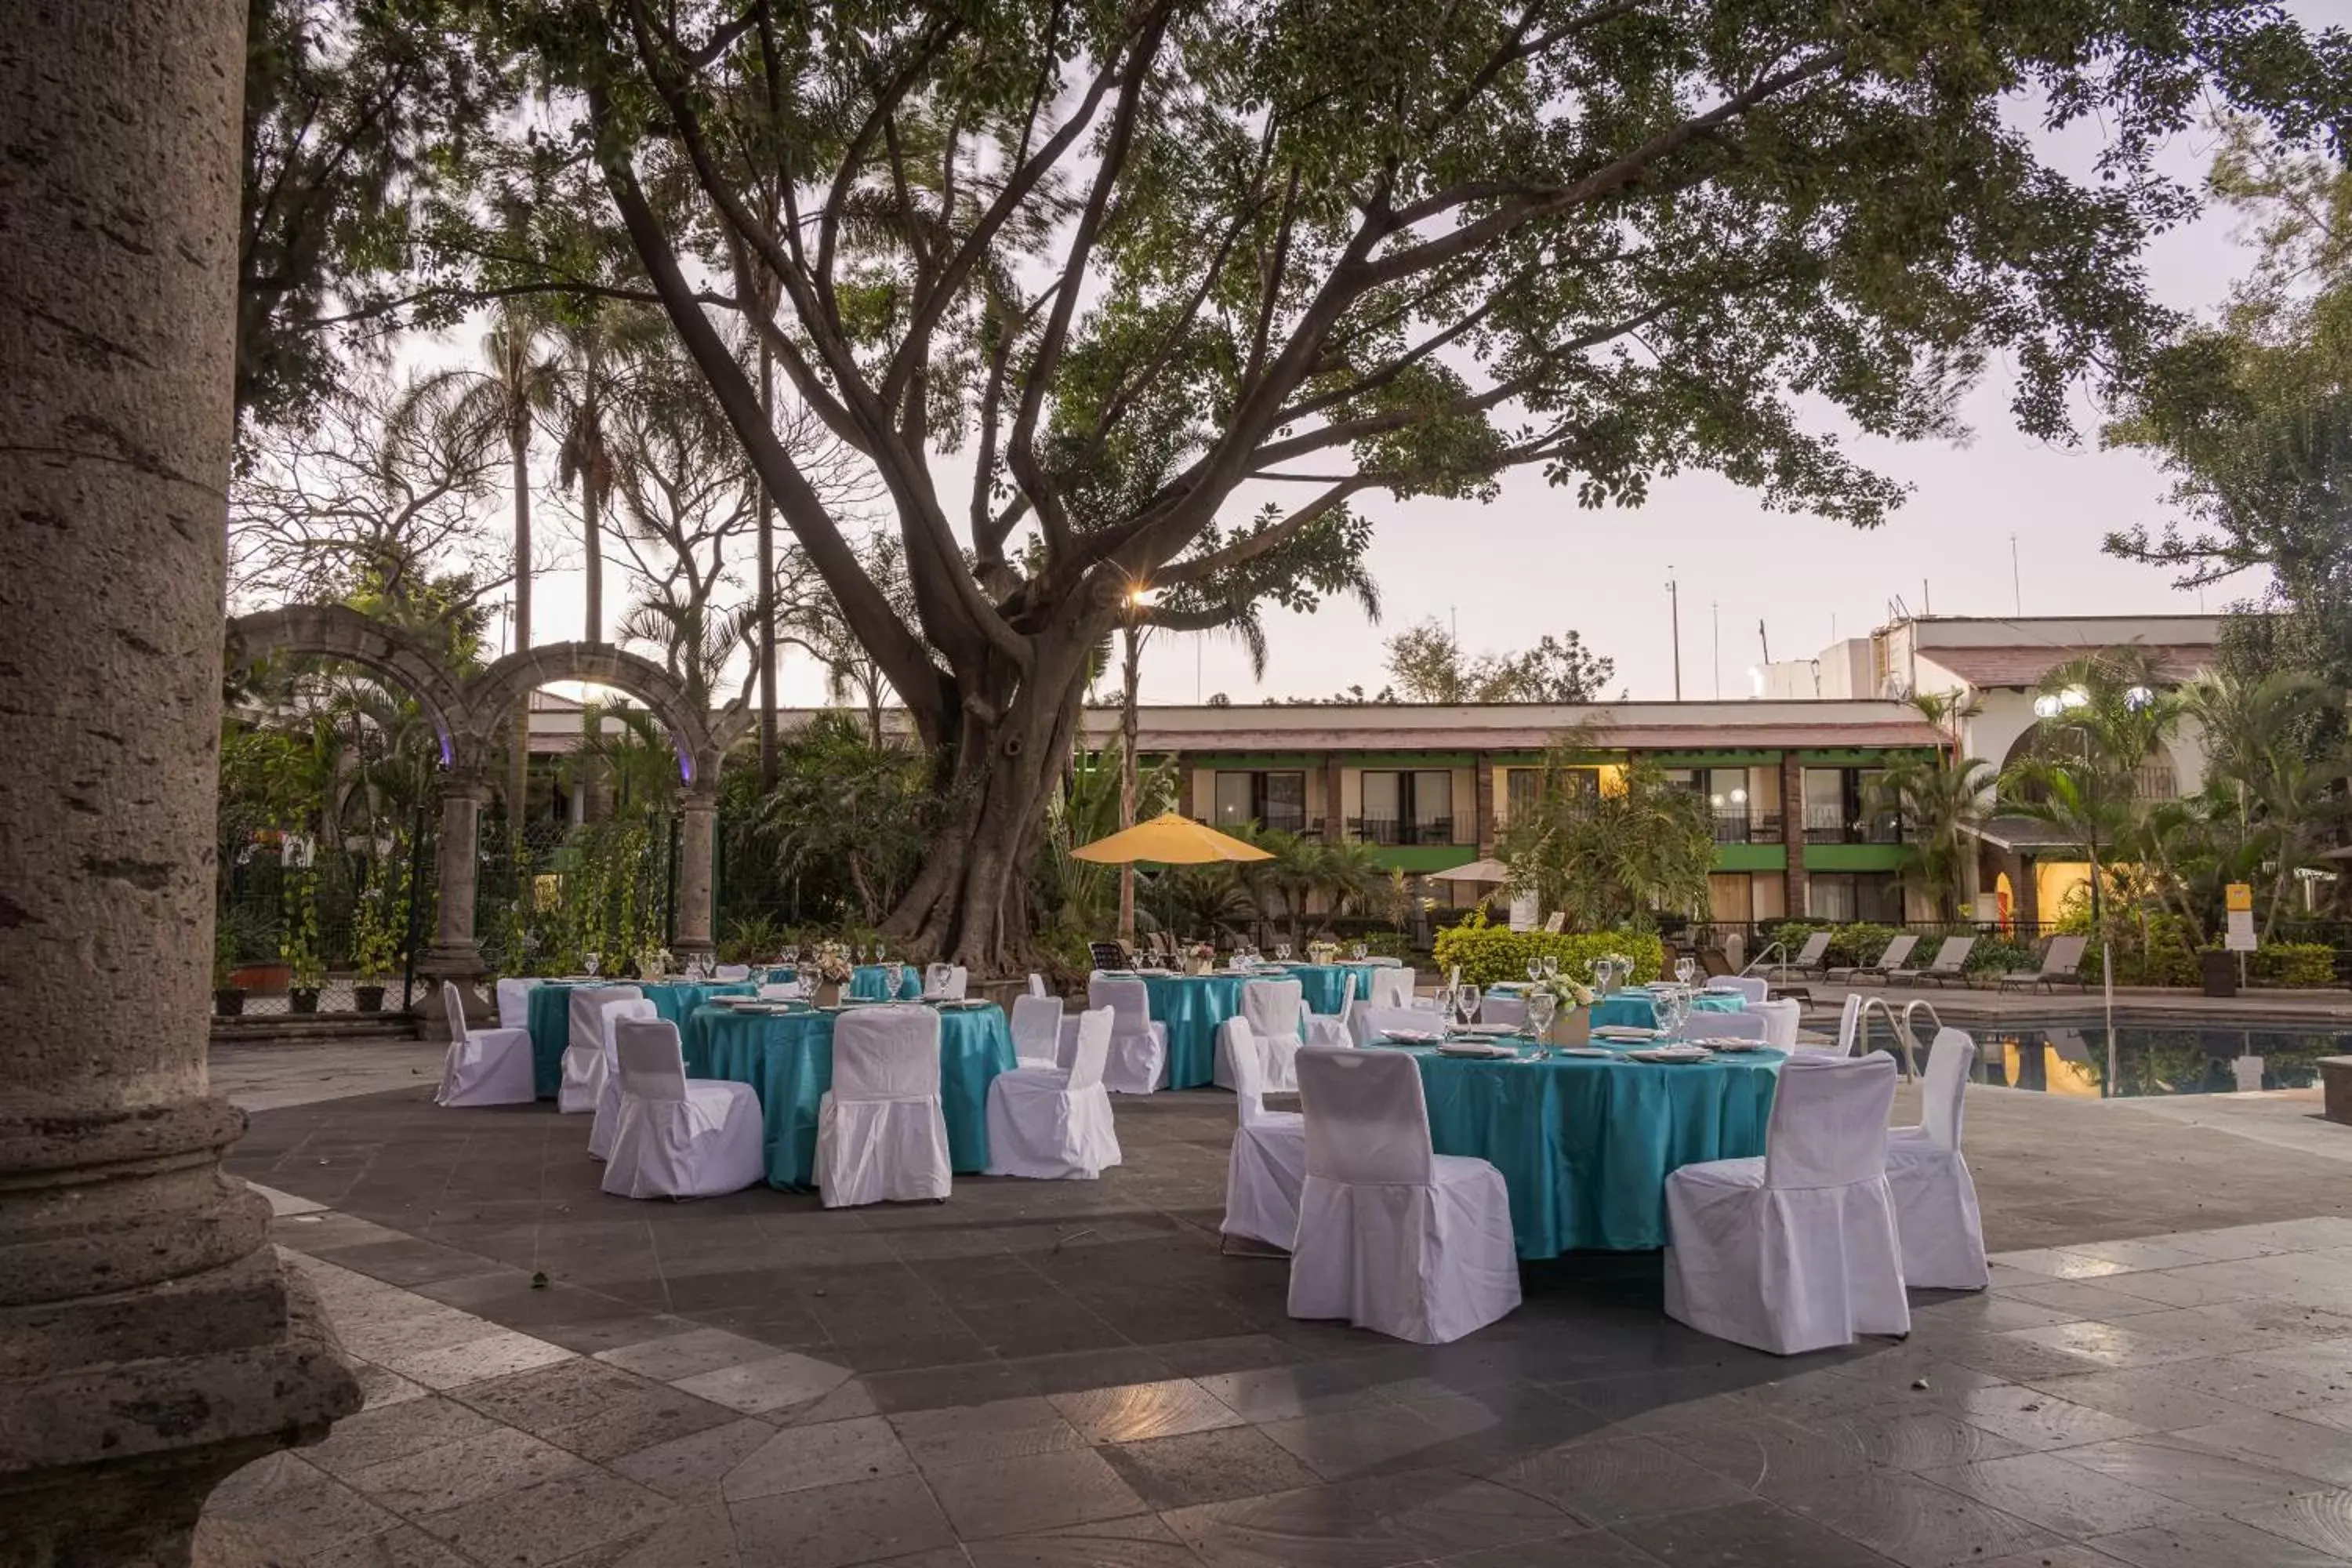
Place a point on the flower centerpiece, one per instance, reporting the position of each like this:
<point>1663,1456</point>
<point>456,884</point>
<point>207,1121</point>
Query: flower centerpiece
<point>834,973</point>
<point>1572,1008</point>
<point>1322,951</point>
<point>654,962</point>
<point>1201,958</point>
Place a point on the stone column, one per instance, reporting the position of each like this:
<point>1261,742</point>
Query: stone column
<point>1792,831</point>
<point>455,954</point>
<point>697,839</point>
<point>1335,814</point>
<point>1483,793</point>
<point>149,1342</point>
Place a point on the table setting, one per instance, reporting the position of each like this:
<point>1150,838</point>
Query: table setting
<point>549,1015</point>
<point>1586,1134</point>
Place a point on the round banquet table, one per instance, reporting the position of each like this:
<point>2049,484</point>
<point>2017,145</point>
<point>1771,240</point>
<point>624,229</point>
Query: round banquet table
<point>787,1059</point>
<point>870,983</point>
<point>1323,983</point>
<point>1585,1143</point>
<point>1636,1009</point>
<point>550,1017</point>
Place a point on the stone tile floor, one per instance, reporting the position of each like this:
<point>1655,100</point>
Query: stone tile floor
<point>1050,1374</point>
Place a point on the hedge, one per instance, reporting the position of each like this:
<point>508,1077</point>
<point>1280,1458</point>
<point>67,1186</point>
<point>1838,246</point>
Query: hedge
<point>1491,952</point>
<point>2304,966</point>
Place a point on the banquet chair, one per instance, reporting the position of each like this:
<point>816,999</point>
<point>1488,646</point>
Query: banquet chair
<point>1752,986</point>
<point>1366,1025</point>
<point>1849,1027</point>
<point>1273,1009</point>
<point>1269,1164</point>
<point>586,1060</point>
<point>880,1134</point>
<point>1037,985</point>
<point>607,1125</point>
<point>1331,1029</point>
<point>1138,1046</point>
<point>1503,1007</point>
<point>679,1137</point>
<point>1037,1030</point>
<point>1782,1016</point>
<point>731,973</point>
<point>1796,1250</point>
<point>514,1003</point>
<point>482,1066</point>
<point>782,991</point>
<point>1393,1236</point>
<point>1391,988</point>
<point>1747,1024</point>
<point>945,983</point>
<point>1053,1123</point>
<point>1935,1197</point>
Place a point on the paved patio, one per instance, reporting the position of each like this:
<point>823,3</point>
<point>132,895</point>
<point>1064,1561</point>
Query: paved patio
<point>1070,1374</point>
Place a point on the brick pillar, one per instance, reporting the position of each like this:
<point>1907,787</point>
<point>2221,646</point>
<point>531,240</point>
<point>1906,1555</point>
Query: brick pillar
<point>1792,830</point>
<point>1482,792</point>
<point>1335,814</point>
<point>1184,801</point>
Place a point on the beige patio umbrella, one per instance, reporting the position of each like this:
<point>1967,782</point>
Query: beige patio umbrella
<point>1168,839</point>
<point>1489,871</point>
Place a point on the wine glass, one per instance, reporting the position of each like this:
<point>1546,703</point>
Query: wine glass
<point>589,961</point>
<point>894,975</point>
<point>1282,953</point>
<point>1683,969</point>
<point>1357,953</point>
<point>1552,966</point>
<point>1535,971</point>
<point>1674,1011</point>
<point>1465,1003</point>
<point>1541,1006</point>
<point>1444,1002</point>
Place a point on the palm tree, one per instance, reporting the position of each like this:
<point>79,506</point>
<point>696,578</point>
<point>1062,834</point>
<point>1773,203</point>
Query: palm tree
<point>1938,802</point>
<point>516,384</point>
<point>592,373</point>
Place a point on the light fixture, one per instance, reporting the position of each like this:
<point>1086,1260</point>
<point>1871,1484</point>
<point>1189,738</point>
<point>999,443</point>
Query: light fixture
<point>2137,698</point>
<point>2074,697</point>
<point>1739,797</point>
<point>2046,707</point>
<point>1715,800</point>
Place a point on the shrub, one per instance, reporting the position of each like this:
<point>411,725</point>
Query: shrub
<point>1997,955</point>
<point>1487,954</point>
<point>2301,964</point>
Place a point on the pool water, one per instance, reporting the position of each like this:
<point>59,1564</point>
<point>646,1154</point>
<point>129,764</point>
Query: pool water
<point>2151,1060</point>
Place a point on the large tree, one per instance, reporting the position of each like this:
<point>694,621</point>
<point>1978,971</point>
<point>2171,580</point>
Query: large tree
<point>1180,282</point>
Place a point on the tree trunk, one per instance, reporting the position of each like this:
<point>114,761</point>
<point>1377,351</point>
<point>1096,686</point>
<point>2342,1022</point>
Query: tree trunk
<point>519,764</point>
<point>151,1342</point>
<point>1131,677</point>
<point>592,522</point>
<point>767,652</point>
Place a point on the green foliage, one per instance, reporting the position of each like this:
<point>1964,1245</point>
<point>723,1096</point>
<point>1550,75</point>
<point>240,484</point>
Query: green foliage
<point>1939,798</point>
<point>1857,943</point>
<point>749,939</point>
<point>1078,896</point>
<point>1428,664</point>
<point>1486,954</point>
<point>1609,857</point>
<point>380,916</point>
<point>298,946</point>
<point>2001,955</point>
<point>2303,964</point>
<point>849,821</point>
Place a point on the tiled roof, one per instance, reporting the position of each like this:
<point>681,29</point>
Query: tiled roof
<point>2025,666</point>
<point>1507,737</point>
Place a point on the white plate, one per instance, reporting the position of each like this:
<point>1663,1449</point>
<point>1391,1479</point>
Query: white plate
<point>1585,1051</point>
<point>1669,1054</point>
<point>1414,1037</point>
<point>1489,1030</point>
<point>1471,1049</point>
<point>1727,1043</point>
<point>1624,1032</point>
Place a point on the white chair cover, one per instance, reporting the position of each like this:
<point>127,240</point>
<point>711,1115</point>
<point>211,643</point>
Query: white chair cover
<point>1849,1035</point>
<point>1798,1250</point>
<point>1781,1016</point>
<point>732,974</point>
<point>1935,1197</point>
<point>607,1125</point>
<point>1368,1024</point>
<point>1051,1123</point>
<point>945,983</point>
<point>1747,1024</point>
<point>1037,1030</point>
<point>1273,1010</point>
<point>782,991</point>
<point>483,1067</point>
<point>1138,1046</point>
<point>1037,985</point>
<point>1391,988</point>
<point>1504,1009</point>
<point>514,1003</point>
<point>880,1135</point>
<point>1752,986</point>
<point>1392,1236</point>
<point>586,1060</point>
<point>1269,1164</point>
<point>677,1137</point>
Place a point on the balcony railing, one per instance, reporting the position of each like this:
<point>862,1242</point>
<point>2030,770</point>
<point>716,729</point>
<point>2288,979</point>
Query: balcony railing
<point>1829,825</point>
<point>1748,828</point>
<point>1389,830</point>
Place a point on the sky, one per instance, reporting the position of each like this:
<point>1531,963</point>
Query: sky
<point>1505,573</point>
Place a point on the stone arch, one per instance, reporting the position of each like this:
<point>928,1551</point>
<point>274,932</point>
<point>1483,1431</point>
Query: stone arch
<point>338,631</point>
<point>492,696</point>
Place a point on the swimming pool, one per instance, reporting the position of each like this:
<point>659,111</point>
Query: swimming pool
<point>2149,1058</point>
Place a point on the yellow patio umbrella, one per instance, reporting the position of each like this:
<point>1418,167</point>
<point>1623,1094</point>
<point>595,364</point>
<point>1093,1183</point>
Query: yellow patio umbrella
<point>1168,839</point>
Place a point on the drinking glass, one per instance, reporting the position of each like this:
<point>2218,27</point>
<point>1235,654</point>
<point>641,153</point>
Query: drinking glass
<point>1676,1012</point>
<point>894,975</point>
<point>1357,953</point>
<point>1282,953</point>
<point>1445,1002</point>
<point>1552,966</point>
<point>1683,969</point>
<point>1465,1003</point>
<point>1535,971</point>
<point>1541,1006</point>
<point>589,961</point>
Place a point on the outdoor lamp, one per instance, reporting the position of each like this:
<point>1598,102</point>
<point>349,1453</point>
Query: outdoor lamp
<point>2137,698</point>
<point>2074,697</point>
<point>1739,797</point>
<point>2046,707</point>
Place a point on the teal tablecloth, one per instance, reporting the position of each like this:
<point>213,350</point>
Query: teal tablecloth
<point>1585,1143</point>
<point>1322,984</point>
<point>869,982</point>
<point>551,1018</point>
<point>787,1059</point>
<point>1637,1010</point>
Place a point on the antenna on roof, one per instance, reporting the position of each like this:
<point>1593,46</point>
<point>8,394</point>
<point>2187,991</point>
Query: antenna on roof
<point>1762,641</point>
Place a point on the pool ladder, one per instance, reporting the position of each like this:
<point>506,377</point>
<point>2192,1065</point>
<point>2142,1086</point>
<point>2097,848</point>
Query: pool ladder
<point>1898,1025</point>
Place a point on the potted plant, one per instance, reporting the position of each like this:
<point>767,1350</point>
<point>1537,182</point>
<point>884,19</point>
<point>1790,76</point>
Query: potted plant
<point>373,947</point>
<point>309,979</point>
<point>228,999</point>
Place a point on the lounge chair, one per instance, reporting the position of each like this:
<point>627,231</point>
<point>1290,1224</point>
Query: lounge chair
<point>1713,963</point>
<point>1949,964</point>
<point>2061,960</point>
<point>1897,955</point>
<point>1809,959</point>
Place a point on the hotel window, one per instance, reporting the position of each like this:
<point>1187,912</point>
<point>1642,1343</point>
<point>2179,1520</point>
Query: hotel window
<point>1275,800</point>
<point>1876,895</point>
<point>1404,806</point>
<point>1522,785</point>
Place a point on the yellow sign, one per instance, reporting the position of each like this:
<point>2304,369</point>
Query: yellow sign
<point>2238,896</point>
